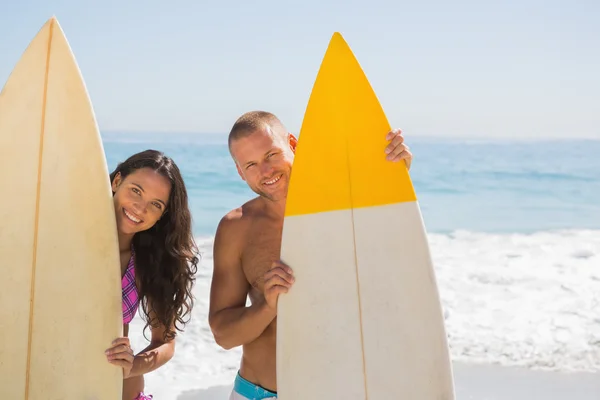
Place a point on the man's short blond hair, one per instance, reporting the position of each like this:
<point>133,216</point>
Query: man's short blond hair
<point>250,122</point>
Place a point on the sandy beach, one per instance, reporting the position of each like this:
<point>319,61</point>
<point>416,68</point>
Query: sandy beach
<point>485,382</point>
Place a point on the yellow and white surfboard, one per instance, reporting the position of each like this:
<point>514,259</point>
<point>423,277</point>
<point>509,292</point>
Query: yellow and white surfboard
<point>60,292</point>
<point>363,319</point>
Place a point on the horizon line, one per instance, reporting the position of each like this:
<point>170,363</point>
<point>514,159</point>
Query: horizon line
<point>472,137</point>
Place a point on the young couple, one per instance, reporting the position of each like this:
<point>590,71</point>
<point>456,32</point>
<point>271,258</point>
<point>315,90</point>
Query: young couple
<point>158,255</point>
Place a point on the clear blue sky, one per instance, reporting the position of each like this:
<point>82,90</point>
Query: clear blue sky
<point>526,68</point>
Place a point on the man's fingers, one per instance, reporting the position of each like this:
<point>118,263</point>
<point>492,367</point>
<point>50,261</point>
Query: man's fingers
<point>392,133</point>
<point>277,280</point>
<point>398,139</point>
<point>401,156</point>
<point>394,144</point>
<point>277,289</point>
<point>405,155</point>
<point>280,272</point>
<point>398,150</point>
<point>279,265</point>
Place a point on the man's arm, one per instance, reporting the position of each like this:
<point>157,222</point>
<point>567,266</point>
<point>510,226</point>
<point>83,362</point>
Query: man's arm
<point>232,323</point>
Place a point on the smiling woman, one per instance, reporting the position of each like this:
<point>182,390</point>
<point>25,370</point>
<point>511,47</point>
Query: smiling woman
<point>141,198</point>
<point>158,260</point>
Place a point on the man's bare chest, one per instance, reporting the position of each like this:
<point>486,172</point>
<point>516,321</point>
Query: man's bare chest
<point>262,249</point>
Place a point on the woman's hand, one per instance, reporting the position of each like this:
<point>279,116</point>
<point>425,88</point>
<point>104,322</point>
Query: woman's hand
<point>121,354</point>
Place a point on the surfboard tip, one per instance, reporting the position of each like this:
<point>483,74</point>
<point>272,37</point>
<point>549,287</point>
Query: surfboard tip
<point>341,121</point>
<point>338,38</point>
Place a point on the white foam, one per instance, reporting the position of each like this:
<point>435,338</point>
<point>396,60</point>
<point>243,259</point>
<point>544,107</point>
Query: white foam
<point>527,300</point>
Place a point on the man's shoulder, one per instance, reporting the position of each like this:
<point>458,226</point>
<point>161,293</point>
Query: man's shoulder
<point>233,216</point>
<point>235,220</point>
<point>231,223</point>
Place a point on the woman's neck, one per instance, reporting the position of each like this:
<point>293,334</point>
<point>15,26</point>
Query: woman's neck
<point>125,242</point>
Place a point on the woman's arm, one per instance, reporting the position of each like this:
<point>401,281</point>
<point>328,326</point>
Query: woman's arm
<point>155,355</point>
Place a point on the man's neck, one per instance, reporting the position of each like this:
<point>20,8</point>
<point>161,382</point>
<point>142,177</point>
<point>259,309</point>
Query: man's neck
<point>276,208</point>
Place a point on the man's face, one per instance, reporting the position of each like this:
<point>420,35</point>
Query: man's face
<point>264,160</point>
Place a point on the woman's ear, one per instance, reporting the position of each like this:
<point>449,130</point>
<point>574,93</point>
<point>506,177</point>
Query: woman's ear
<point>116,182</point>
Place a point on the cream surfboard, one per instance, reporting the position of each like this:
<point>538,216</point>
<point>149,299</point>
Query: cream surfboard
<point>364,318</point>
<point>60,297</point>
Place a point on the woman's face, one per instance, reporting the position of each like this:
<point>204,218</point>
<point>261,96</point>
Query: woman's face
<point>140,200</point>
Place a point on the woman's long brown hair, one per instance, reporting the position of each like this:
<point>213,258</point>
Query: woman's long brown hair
<point>166,258</point>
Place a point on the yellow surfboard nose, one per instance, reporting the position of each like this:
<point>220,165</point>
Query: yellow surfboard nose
<point>340,161</point>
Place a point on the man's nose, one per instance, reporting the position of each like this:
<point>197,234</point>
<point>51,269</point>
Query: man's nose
<point>266,169</point>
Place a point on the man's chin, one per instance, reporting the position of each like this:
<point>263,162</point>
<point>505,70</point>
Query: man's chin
<point>269,196</point>
<point>276,195</point>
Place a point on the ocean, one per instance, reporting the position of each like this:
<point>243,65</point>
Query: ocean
<point>514,230</point>
<point>474,185</point>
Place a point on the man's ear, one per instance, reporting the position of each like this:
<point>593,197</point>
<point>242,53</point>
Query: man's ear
<point>293,141</point>
<point>239,170</point>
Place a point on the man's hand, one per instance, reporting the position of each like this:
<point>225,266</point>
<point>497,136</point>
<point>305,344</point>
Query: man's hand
<point>279,279</point>
<point>397,150</point>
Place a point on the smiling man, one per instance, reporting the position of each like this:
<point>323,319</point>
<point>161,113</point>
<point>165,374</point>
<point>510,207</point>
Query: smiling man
<point>247,246</point>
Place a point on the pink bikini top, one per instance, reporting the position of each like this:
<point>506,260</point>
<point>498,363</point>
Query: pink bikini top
<point>129,291</point>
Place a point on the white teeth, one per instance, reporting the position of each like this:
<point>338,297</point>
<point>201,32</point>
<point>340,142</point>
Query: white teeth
<point>272,181</point>
<point>131,217</point>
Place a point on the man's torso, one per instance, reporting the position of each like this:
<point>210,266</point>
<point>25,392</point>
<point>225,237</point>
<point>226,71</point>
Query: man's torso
<point>260,248</point>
